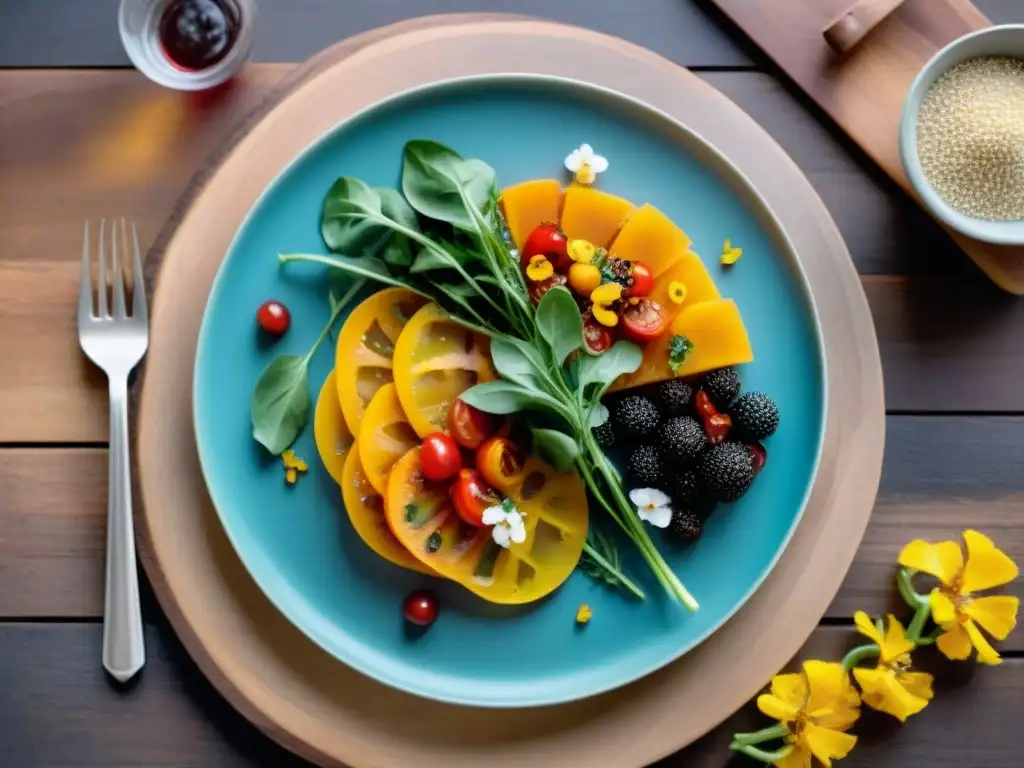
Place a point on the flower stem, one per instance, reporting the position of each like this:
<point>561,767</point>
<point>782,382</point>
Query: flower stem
<point>756,737</point>
<point>921,616</point>
<point>623,579</point>
<point>760,754</point>
<point>859,654</point>
<point>904,582</point>
<point>342,303</point>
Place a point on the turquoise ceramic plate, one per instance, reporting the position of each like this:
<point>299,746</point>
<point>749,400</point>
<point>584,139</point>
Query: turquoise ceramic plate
<point>297,542</point>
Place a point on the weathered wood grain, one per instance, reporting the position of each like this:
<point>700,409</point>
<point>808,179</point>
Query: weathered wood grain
<point>59,711</point>
<point>78,144</point>
<point>941,475</point>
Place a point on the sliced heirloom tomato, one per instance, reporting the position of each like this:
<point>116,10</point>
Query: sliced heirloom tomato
<point>330,432</point>
<point>385,436</point>
<point>365,508</point>
<point>366,345</point>
<point>554,507</point>
<point>435,361</point>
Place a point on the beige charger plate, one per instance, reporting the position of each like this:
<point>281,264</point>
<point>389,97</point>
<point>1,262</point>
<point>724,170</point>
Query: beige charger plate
<point>330,713</point>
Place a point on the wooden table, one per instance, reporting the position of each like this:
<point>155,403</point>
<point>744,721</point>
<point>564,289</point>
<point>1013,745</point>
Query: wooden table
<point>83,136</point>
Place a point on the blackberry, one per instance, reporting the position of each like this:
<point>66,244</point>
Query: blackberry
<point>727,471</point>
<point>605,434</point>
<point>681,440</point>
<point>644,467</point>
<point>674,397</point>
<point>685,526</point>
<point>683,488</point>
<point>755,416</point>
<point>722,386</point>
<point>634,417</point>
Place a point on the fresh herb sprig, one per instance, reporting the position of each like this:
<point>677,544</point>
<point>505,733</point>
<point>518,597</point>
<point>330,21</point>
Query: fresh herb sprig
<point>601,562</point>
<point>442,238</point>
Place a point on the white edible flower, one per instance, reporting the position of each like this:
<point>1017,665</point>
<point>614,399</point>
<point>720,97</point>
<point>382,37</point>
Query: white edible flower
<point>585,164</point>
<point>652,506</point>
<point>508,523</point>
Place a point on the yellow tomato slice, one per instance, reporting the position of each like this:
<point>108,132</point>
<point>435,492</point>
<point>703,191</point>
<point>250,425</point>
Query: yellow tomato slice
<point>384,437</point>
<point>366,344</point>
<point>554,506</point>
<point>436,360</point>
<point>330,432</point>
<point>365,509</point>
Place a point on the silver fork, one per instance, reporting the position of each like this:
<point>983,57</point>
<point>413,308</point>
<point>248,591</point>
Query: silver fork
<point>116,342</point>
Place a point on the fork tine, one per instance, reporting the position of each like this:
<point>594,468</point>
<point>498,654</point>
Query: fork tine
<point>101,293</point>
<point>85,289</point>
<point>117,274</point>
<point>139,310</point>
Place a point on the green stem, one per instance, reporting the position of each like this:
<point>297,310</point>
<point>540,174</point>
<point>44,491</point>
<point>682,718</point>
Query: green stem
<point>774,732</point>
<point>921,616</point>
<point>760,754</point>
<point>352,269</point>
<point>623,579</point>
<point>859,654</point>
<point>904,582</point>
<point>342,303</point>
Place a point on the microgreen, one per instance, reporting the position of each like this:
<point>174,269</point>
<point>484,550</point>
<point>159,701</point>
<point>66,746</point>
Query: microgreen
<point>678,348</point>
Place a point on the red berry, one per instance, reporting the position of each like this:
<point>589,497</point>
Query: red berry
<point>759,455</point>
<point>716,425</point>
<point>420,608</point>
<point>273,317</point>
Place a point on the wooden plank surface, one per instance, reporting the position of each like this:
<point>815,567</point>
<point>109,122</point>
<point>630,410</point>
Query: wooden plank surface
<point>941,474</point>
<point>171,717</point>
<point>87,143</point>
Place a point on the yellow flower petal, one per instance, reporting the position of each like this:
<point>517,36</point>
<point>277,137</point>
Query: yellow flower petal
<point>943,610</point>
<point>918,683</point>
<point>830,689</point>
<point>605,316</point>
<point>798,758</point>
<point>955,644</point>
<point>539,268</point>
<point>986,653</point>
<point>776,708</point>
<point>607,293</point>
<point>996,614</point>
<point>290,476</point>
<point>896,643</point>
<point>883,691</point>
<point>581,251</point>
<point>987,565</point>
<point>792,689</point>
<point>867,628</point>
<point>944,560</point>
<point>826,743</point>
<point>731,256</point>
<point>676,292</point>
<point>586,174</point>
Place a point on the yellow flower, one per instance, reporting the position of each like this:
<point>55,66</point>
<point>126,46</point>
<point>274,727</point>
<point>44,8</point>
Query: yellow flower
<point>816,706</point>
<point>954,607</point>
<point>604,298</point>
<point>583,614</point>
<point>581,251</point>
<point>891,687</point>
<point>676,292</point>
<point>730,255</point>
<point>292,466</point>
<point>539,268</point>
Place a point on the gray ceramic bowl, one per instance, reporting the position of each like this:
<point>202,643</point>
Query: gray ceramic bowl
<point>1007,40</point>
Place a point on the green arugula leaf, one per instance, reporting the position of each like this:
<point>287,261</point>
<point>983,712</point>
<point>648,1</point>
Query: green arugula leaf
<point>560,323</point>
<point>598,415</point>
<point>513,363</point>
<point>678,348</point>
<point>623,357</point>
<point>555,447</point>
<point>351,221</point>
<point>280,403</point>
<point>442,257</point>
<point>398,250</point>
<point>504,397</point>
<point>442,185</point>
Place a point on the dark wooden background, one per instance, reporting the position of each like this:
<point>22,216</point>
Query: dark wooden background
<point>82,135</point>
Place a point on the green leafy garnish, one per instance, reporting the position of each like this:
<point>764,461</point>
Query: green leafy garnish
<point>678,348</point>
<point>601,562</point>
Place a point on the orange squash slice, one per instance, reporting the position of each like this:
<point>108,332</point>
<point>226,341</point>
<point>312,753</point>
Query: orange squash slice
<point>554,506</point>
<point>529,204</point>
<point>651,237</point>
<point>691,272</point>
<point>330,432</point>
<point>384,437</point>
<point>593,215</point>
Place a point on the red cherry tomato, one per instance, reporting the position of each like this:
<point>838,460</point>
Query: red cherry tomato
<point>759,454</point>
<point>547,240</point>
<point>471,426</point>
<point>440,457</point>
<point>499,461</point>
<point>471,496</point>
<point>644,321</point>
<point>643,280</point>
<point>273,317</point>
<point>716,425</point>
<point>420,608</point>
<point>596,336</point>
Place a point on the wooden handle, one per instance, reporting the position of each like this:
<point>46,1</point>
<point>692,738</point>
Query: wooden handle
<point>850,28</point>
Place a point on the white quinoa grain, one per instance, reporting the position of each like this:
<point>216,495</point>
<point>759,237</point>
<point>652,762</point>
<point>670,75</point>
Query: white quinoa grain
<point>970,138</point>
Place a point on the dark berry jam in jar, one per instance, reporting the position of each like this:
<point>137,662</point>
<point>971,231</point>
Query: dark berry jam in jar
<point>196,34</point>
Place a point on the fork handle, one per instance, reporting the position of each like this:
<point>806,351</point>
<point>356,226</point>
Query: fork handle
<point>124,651</point>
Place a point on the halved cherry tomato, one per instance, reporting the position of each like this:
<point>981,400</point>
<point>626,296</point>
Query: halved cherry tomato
<point>471,496</point>
<point>547,240</point>
<point>716,425</point>
<point>471,426</point>
<point>643,280</point>
<point>596,336</point>
<point>440,457</point>
<point>499,461</point>
<point>644,321</point>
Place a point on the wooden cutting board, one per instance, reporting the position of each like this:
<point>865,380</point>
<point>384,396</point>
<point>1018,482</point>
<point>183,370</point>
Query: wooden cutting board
<point>864,90</point>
